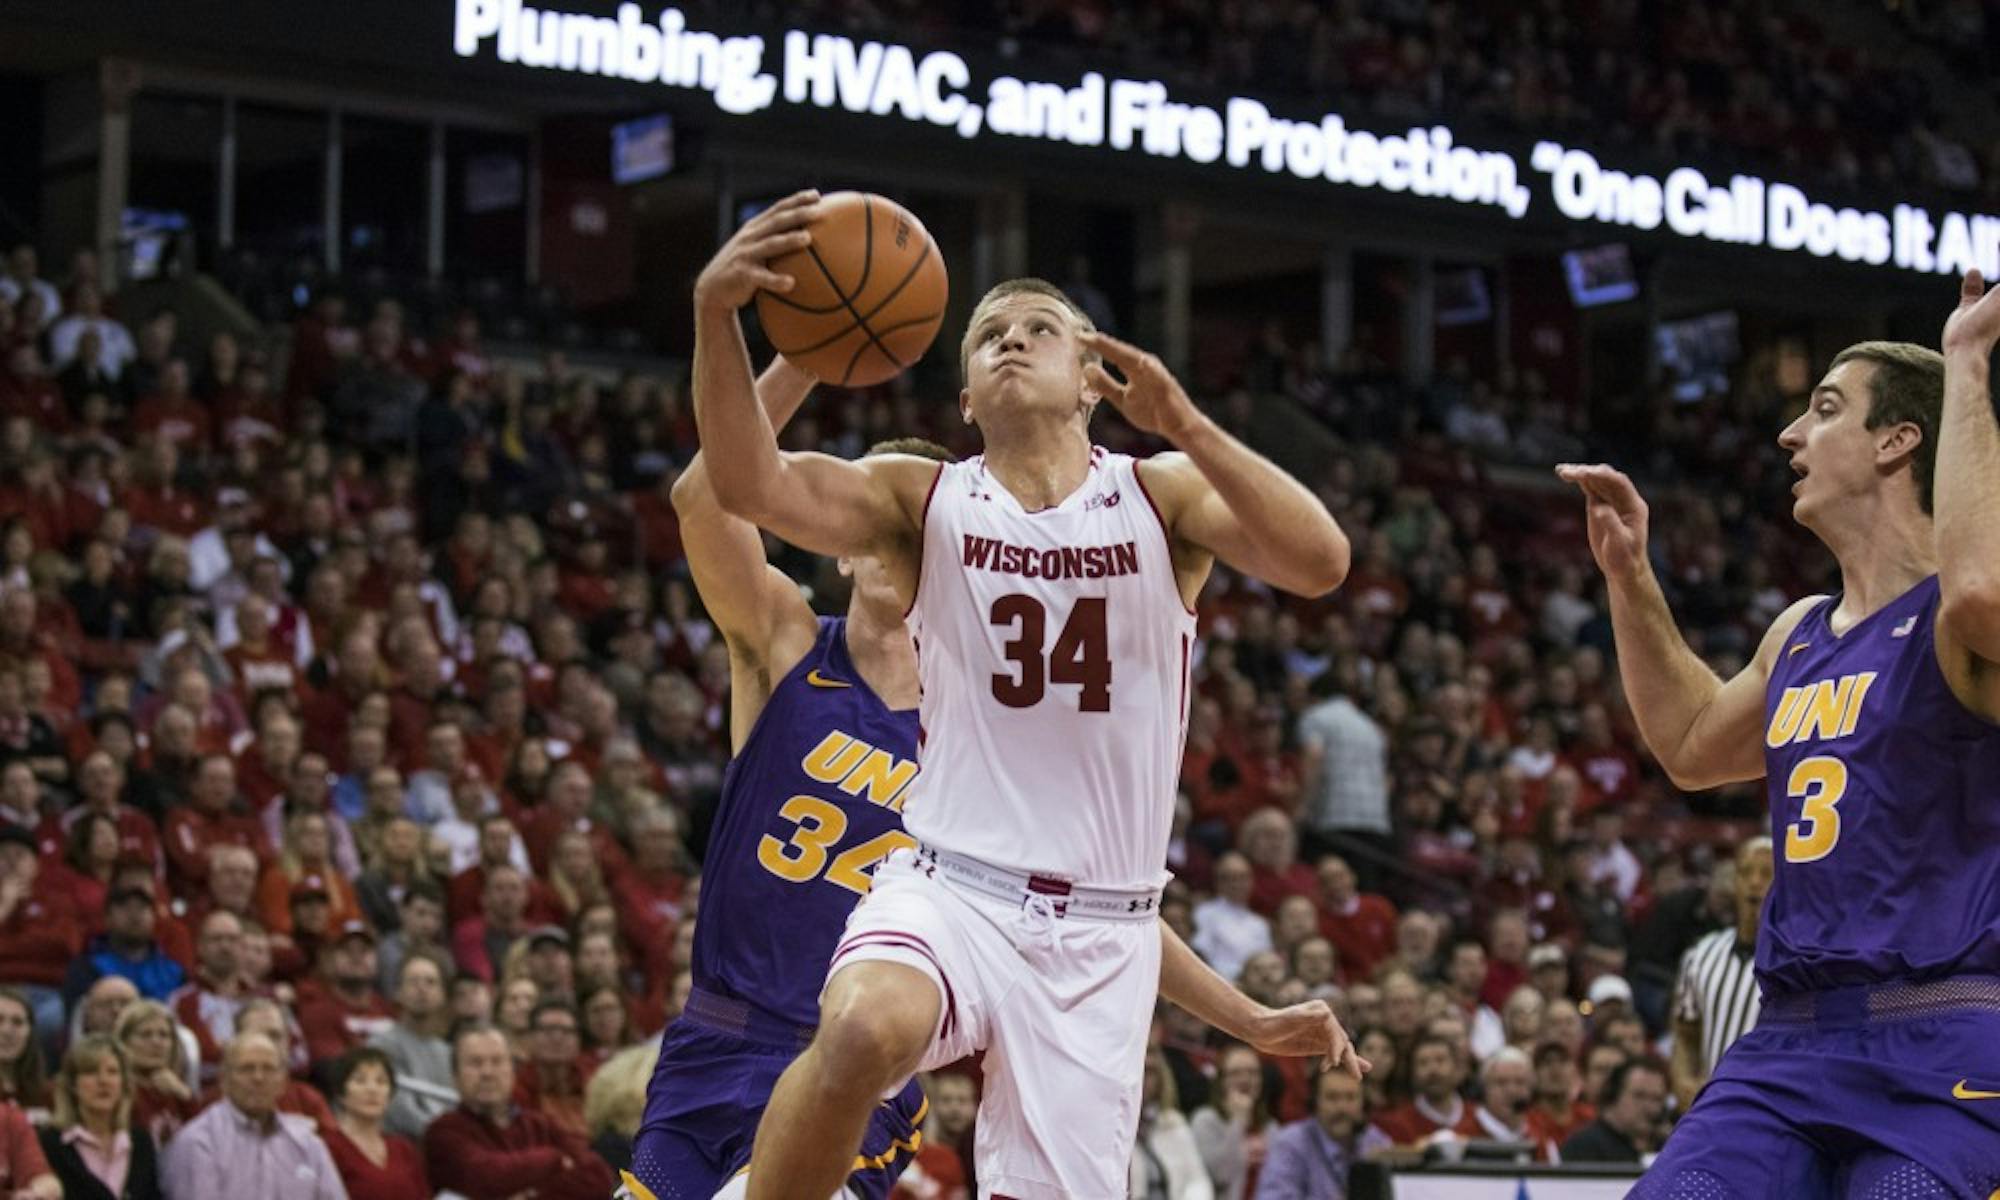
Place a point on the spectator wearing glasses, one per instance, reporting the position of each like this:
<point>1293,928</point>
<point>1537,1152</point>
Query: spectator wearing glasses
<point>243,1148</point>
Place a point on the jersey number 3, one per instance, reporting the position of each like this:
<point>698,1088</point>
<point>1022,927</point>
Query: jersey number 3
<point>820,826</point>
<point>1081,655</point>
<point>1820,782</point>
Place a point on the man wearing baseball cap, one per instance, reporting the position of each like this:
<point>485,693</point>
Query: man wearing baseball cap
<point>342,1007</point>
<point>127,946</point>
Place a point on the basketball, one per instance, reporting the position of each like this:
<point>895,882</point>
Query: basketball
<point>869,296</point>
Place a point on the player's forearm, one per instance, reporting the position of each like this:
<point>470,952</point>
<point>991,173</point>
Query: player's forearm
<point>1967,503</point>
<point>1666,683</point>
<point>734,429</point>
<point>781,390</point>
<point>1686,1071</point>
<point>1286,525</point>
<point>1193,985</point>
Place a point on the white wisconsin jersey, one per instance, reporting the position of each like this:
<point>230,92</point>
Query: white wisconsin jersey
<point>1053,647</point>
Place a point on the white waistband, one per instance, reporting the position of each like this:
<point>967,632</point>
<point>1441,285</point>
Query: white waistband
<point>1063,899</point>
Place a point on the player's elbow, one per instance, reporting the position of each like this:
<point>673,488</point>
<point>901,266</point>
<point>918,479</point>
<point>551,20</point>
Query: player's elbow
<point>1325,567</point>
<point>740,494</point>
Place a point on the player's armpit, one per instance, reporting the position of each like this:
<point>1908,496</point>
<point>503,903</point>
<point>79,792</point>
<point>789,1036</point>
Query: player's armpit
<point>1973,678</point>
<point>1278,544</point>
<point>843,508</point>
<point>1725,742</point>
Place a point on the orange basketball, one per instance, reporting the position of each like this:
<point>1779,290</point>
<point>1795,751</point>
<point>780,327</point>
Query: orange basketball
<point>869,296</point>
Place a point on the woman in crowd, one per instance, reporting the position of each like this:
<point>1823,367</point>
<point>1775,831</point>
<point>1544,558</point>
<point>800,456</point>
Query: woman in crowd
<point>574,874</point>
<point>1234,1130</point>
<point>93,1145</point>
<point>24,1074</point>
<point>162,1101</point>
<point>374,1164</point>
<point>607,1024</point>
<point>1166,1163</point>
<point>83,878</point>
<point>308,856</point>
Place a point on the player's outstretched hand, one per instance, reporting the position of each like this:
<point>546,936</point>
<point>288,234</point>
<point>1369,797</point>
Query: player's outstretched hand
<point>740,269</point>
<point>1975,325</point>
<point>1308,1030</point>
<point>1616,514</point>
<point>1150,398</point>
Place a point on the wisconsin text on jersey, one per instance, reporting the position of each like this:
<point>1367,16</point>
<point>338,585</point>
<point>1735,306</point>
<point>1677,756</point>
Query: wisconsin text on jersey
<point>1067,562</point>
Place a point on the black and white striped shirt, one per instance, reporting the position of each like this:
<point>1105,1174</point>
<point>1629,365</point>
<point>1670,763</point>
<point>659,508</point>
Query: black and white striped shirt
<point>1718,991</point>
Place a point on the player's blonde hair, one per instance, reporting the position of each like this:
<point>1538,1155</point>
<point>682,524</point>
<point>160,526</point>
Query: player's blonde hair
<point>1026,285</point>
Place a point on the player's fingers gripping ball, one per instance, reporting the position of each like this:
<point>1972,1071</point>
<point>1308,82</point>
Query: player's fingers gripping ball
<point>869,294</point>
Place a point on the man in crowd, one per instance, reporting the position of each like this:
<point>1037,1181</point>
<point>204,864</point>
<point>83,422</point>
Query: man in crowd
<point>1628,1126</point>
<point>417,1048</point>
<point>243,1148</point>
<point>489,1149</point>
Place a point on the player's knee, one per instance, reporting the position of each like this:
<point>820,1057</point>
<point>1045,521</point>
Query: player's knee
<point>872,1032</point>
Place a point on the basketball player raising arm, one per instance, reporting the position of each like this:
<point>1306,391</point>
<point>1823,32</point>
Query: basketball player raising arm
<point>1062,841</point>
<point>722,377</point>
<point>1874,717</point>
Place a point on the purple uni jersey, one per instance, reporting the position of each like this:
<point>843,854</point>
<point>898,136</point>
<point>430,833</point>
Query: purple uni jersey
<point>1885,808</point>
<point>812,802</point>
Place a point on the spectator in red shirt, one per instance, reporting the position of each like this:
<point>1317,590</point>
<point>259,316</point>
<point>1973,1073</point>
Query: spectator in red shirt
<point>156,500</point>
<point>345,1009</point>
<point>37,940</point>
<point>231,884</point>
<point>648,893</point>
<point>565,806</point>
<point>212,817</point>
<point>1361,925</point>
<point>82,877</point>
<point>1436,1075</point>
<point>499,845</point>
<point>172,414</point>
<point>1271,842</point>
<point>553,1078</point>
<point>1506,957</point>
<point>373,1163</point>
<point>209,1003</point>
<point>101,786</point>
<point>307,859</point>
<point>1558,1110</point>
<point>491,1149</point>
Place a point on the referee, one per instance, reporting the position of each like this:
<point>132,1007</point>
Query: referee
<point>1715,999</point>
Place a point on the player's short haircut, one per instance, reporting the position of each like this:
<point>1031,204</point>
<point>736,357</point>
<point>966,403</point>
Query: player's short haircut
<point>1029,286</point>
<point>1907,385</point>
<point>920,447</point>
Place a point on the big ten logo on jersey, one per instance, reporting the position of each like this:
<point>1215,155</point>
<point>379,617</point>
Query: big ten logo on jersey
<point>1823,711</point>
<point>818,824</point>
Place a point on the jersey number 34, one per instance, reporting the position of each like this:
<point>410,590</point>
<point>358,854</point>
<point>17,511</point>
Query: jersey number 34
<point>820,825</point>
<point>1081,655</point>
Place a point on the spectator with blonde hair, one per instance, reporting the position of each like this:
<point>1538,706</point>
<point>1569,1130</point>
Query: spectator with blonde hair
<point>1166,1162</point>
<point>95,1148</point>
<point>614,1102</point>
<point>162,1101</point>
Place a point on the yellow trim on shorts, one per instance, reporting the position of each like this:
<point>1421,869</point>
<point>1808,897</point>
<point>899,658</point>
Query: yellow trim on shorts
<point>639,1190</point>
<point>911,1145</point>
